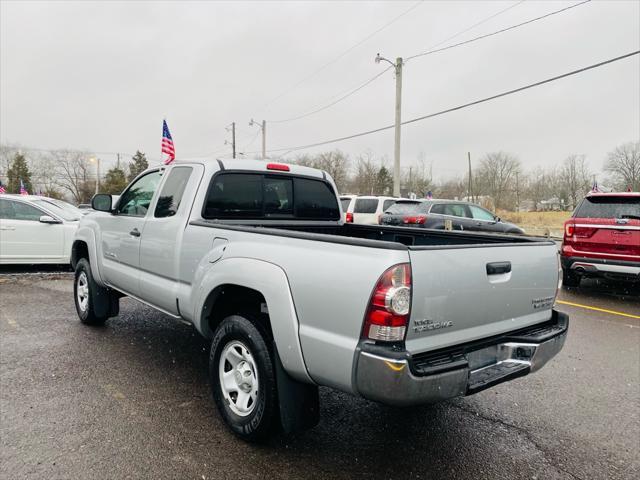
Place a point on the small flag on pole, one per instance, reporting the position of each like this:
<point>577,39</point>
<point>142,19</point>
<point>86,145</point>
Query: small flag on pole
<point>595,188</point>
<point>2,189</point>
<point>167,144</point>
<point>23,191</point>
<point>429,195</point>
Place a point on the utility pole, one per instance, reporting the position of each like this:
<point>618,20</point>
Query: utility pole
<point>264,139</point>
<point>469,196</point>
<point>118,161</point>
<point>517,194</point>
<point>396,148</point>
<point>233,138</point>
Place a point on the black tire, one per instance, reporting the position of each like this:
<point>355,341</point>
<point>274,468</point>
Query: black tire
<point>95,310</point>
<point>261,420</point>
<point>570,279</point>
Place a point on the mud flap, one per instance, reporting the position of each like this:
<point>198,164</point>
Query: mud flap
<point>299,402</point>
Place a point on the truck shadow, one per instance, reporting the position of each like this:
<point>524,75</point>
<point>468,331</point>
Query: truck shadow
<point>355,437</point>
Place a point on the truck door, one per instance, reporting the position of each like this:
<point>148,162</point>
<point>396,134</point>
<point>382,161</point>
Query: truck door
<point>161,239</point>
<point>121,233</point>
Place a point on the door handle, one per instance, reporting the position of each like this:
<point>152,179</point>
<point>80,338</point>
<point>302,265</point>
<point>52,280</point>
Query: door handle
<point>7,228</point>
<point>135,232</point>
<point>497,268</point>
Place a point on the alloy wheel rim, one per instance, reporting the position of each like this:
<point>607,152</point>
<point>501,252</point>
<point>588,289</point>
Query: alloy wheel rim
<point>82,291</point>
<point>238,378</point>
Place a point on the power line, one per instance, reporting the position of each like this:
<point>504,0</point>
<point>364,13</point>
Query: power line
<point>350,92</point>
<point>375,77</point>
<point>353,47</point>
<point>475,39</point>
<point>459,107</point>
<point>484,20</point>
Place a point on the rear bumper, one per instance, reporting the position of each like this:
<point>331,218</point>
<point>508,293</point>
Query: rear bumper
<point>595,266</point>
<point>397,378</point>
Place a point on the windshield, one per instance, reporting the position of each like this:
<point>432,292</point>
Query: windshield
<point>405,208</point>
<point>64,210</point>
<point>609,207</point>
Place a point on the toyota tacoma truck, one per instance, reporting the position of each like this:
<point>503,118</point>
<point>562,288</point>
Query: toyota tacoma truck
<point>256,256</point>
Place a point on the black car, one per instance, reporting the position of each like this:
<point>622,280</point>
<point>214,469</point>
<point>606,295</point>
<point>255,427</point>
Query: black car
<point>437,213</point>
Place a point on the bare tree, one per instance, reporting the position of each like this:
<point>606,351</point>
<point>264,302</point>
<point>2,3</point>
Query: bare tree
<point>365,179</point>
<point>623,163</point>
<point>335,163</point>
<point>496,177</point>
<point>575,178</point>
<point>538,186</point>
<point>74,173</point>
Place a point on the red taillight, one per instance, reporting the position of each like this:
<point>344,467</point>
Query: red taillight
<point>568,229</point>
<point>278,166</point>
<point>571,230</point>
<point>419,219</point>
<point>349,217</point>
<point>388,311</point>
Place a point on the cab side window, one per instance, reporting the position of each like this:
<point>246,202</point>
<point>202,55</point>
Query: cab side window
<point>136,199</point>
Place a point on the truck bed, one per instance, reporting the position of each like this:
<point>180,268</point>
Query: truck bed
<point>378,236</point>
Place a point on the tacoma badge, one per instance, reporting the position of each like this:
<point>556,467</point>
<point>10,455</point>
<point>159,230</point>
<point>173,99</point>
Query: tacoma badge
<point>424,324</point>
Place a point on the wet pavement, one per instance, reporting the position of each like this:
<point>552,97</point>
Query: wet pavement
<point>131,400</point>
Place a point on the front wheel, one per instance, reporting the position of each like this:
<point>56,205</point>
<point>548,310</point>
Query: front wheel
<point>241,371</point>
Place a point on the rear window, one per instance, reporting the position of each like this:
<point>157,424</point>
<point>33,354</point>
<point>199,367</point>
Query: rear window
<point>405,208</point>
<point>609,207</point>
<point>255,196</point>
<point>345,203</point>
<point>387,204</point>
<point>366,205</point>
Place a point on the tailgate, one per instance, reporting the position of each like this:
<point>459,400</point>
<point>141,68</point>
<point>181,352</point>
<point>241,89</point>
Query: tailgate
<point>607,235</point>
<point>466,294</point>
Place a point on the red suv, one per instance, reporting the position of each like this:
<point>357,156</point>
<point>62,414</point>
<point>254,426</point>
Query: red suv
<point>602,238</point>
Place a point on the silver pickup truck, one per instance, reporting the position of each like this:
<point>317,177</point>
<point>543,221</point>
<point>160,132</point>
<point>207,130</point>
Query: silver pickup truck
<point>256,256</point>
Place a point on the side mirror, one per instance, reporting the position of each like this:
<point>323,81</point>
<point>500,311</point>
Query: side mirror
<point>497,219</point>
<point>102,202</point>
<point>48,219</point>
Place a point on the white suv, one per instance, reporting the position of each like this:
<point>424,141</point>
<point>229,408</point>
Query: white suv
<point>365,210</point>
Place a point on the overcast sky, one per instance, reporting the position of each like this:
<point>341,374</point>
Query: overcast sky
<point>101,76</point>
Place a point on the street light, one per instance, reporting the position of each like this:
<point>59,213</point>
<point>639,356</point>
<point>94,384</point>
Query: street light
<point>263,127</point>
<point>396,147</point>
<point>97,162</point>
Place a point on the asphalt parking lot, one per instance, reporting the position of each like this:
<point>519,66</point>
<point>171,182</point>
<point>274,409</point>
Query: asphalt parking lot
<point>131,400</point>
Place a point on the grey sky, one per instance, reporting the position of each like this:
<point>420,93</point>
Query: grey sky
<point>101,76</point>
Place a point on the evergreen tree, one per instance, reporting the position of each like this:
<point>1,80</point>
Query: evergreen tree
<point>19,170</point>
<point>137,165</point>
<point>115,182</point>
<point>384,181</point>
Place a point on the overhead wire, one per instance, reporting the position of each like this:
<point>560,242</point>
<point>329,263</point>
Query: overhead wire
<point>512,27</point>
<point>459,107</point>
<point>341,55</point>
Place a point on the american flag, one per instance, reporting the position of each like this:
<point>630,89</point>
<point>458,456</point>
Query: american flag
<point>429,195</point>
<point>23,191</point>
<point>2,189</point>
<point>167,144</point>
<point>595,188</point>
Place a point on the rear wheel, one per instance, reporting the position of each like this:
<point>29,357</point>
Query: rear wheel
<point>241,371</point>
<point>570,279</point>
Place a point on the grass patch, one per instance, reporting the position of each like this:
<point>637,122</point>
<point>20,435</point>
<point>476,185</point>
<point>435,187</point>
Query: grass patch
<point>537,223</point>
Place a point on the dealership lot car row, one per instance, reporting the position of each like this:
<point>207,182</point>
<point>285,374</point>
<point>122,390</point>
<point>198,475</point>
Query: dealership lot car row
<point>233,250</point>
